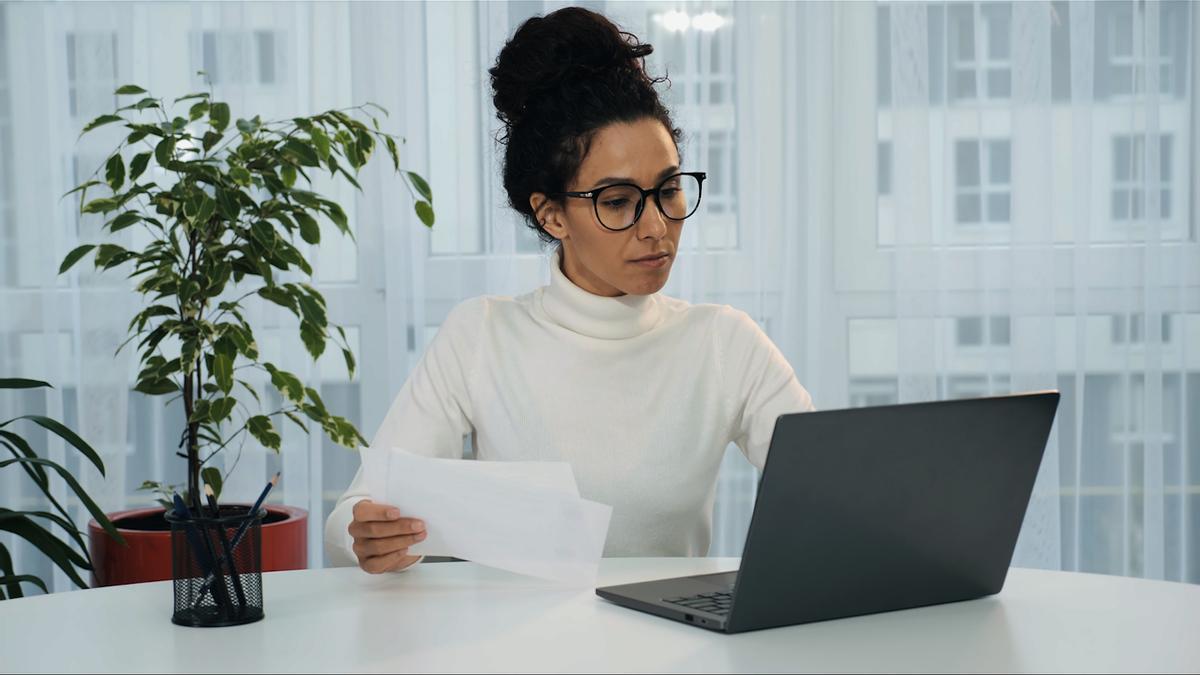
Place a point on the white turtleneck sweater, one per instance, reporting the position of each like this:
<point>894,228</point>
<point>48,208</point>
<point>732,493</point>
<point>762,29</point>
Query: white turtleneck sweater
<point>641,394</point>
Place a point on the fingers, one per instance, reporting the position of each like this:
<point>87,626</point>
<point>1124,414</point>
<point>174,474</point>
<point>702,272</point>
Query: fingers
<point>382,529</point>
<point>387,563</point>
<point>370,548</point>
<point>382,537</point>
<point>367,510</point>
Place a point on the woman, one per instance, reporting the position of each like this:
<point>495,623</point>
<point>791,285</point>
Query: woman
<point>639,392</point>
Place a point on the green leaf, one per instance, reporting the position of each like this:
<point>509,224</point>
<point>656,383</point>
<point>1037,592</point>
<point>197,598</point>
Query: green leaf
<point>222,408</point>
<point>123,221</point>
<point>349,357</point>
<point>142,104</point>
<point>223,371</point>
<point>263,430</point>
<point>310,231</point>
<point>288,384</point>
<point>164,150</point>
<point>102,205</point>
<point>65,557</point>
<point>320,142</point>
<point>279,297</point>
<point>12,584</point>
<point>296,420</point>
<point>395,154</point>
<point>138,165</point>
<point>156,387</point>
<point>97,513</point>
<point>197,111</point>
<point>129,89</point>
<point>287,173</point>
<point>81,188</point>
<point>114,172</point>
<point>303,152</point>
<point>199,94</point>
<point>218,116</point>
<point>60,430</point>
<point>424,212</point>
<point>421,186</point>
<point>101,121</point>
<point>19,447</point>
<point>211,476</point>
<point>74,256</point>
<point>338,216</point>
<point>22,383</point>
<point>211,138</point>
<point>313,338</point>
<point>240,175</point>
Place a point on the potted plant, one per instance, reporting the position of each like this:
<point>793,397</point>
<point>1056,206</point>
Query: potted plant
<point>31,525</point>
<point>223,216</point>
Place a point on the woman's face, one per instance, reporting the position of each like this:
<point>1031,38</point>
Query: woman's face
<point>597,259</point>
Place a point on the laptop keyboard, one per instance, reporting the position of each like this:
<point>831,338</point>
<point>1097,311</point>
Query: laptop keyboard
<point>713,603</point>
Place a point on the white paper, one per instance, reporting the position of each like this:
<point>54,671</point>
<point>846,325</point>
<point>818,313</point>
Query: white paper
<point>524,517</point>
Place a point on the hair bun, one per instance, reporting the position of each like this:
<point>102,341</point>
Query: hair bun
<point>547,54</point>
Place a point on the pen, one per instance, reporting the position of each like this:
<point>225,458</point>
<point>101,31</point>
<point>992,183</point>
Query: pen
<point>201,548</point>
<point>242,529</point>
<point>228,550</point>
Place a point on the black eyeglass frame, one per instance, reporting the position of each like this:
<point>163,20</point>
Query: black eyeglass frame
<point>594,195</point>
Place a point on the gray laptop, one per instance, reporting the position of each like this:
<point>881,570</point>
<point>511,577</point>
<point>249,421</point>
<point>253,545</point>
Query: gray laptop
<point>870,510</point>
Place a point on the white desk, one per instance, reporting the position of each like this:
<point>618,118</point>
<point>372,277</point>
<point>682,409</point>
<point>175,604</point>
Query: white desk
<point>462,617</point>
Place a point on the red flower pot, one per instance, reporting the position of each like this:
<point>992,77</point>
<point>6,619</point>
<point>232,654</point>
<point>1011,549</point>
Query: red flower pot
<point>147,557</point>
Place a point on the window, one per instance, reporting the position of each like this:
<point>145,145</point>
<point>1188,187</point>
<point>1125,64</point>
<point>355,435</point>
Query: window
<point>239,57</point>
<point>91,73</point>
<point>980,50</point>
<point>982,181</point>
<point>694,46</point>
<point>883,169</point>
<point>1130,328</point>
<point>1121,63</point>
<point>720,188</point>
<point>1129,161</point>
<point>970,331</point>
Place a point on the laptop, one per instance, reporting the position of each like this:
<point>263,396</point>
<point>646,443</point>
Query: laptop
<point>869,510</point>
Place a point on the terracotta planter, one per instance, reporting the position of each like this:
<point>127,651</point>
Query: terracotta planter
<point>148,554</point>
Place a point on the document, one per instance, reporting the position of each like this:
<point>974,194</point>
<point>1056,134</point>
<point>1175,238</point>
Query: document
<point>524,517</point>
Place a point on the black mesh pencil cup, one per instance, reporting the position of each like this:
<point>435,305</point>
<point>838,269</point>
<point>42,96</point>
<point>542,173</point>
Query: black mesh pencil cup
<point>216,566</point>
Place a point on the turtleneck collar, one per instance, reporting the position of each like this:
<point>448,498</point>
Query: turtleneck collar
<point>597,316</point>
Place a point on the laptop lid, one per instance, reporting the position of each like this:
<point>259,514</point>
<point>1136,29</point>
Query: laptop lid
<point>873,509</point>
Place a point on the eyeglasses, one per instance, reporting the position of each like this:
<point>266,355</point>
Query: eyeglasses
<point>620,205</point>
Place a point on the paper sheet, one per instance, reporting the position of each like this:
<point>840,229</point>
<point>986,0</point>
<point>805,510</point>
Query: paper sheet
<point>524,517</point>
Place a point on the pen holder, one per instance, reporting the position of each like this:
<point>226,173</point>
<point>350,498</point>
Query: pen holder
<point>216,567</point>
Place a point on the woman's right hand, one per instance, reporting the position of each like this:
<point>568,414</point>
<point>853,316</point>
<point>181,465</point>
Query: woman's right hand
<point>382,537</point>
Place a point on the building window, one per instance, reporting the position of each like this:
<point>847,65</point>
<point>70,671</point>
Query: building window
<point>1122,66</point>
<point>720,189</point>
<point>974,331</point>
<point>239,57</point>
<point>983,188</point>
<point>91,73</point>
<point>980,50</point>
<point>883,159</point>
<point>1130,328</point>
<point>1129,179</point>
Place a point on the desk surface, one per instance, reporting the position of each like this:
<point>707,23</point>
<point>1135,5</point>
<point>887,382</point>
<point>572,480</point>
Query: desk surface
<point>463,617</point>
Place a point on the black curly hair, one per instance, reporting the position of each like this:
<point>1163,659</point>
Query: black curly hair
<point>560,79</point>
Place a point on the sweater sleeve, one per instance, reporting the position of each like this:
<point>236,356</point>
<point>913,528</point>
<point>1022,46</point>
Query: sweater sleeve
<point>759,383</point>
<point>430,416</point>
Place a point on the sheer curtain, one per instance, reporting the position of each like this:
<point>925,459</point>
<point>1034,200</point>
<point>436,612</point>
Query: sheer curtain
<point>916,201</point>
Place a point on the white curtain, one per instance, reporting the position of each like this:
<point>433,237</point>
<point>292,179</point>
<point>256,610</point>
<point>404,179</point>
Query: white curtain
<point>916,201</point>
